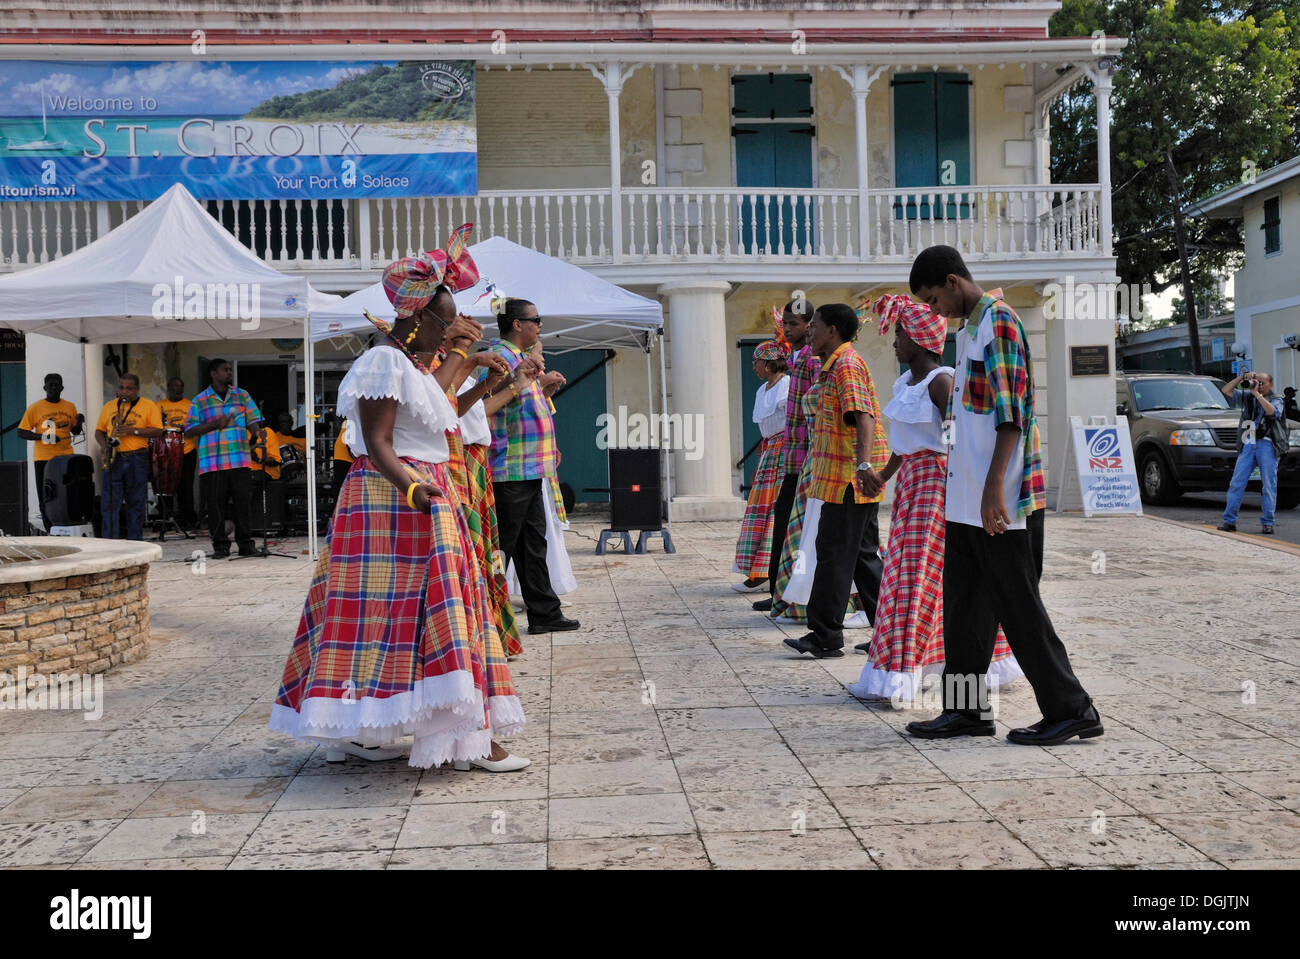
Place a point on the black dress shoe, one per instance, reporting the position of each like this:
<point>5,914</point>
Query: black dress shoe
<point>1054,732</point>
<point>560,625</point>
<point>221,553</point>
<point>863,647</point>
<point>951,723</point>
<point>1227,527</point>
<point>763,605</point>
<point>808,644</point>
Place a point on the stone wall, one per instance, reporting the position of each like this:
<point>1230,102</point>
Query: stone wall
<point>80,624</point>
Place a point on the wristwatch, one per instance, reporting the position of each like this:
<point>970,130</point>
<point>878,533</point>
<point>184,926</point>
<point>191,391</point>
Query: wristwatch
<point>863,466</point>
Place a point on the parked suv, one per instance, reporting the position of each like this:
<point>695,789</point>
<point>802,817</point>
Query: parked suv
<point>1185,437</point>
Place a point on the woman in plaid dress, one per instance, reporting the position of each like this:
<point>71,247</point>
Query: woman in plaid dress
<point>907,642</point>
<point>397,635</point>
<point>754,546</point>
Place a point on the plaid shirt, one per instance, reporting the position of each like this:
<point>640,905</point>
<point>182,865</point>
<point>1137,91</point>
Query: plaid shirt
<point>844,387</point>
<point>523,434</point>
<point>999,385</point>
<point>224,449</point>
<point>803,374</point>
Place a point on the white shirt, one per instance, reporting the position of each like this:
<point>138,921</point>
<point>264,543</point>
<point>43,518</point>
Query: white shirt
<point>474,428</point>
<point>915,423</point>
<point>424,414</point>
<point>769,407</point>
<point>973,438</point>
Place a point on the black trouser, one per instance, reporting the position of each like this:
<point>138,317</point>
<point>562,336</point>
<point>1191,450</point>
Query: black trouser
<point>216,486</point>
<point>185,495</point>
<point>780,524</point>
<point>521,519</point>
<point>341,468</point>
<point>989,580</point>
<point>40,492</point>
<point>848,554</point>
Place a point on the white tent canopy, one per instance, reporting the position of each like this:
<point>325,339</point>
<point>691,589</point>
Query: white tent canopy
<point>579,309</point>
<point>169,273</point>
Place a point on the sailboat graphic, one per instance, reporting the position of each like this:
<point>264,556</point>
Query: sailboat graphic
<point>44,144</point>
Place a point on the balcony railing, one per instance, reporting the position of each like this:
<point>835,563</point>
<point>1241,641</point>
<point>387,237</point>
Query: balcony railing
<point>659,225</point>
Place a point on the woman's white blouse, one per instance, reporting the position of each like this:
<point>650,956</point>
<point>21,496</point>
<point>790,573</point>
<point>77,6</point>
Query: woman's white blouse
<point>915,423</point>
<point>769,407</point>
<point>424,414</point>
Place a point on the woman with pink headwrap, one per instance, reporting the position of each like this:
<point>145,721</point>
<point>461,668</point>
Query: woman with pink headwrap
<point>397,636</point>
<point>907,640</point>
<point>754,545</point>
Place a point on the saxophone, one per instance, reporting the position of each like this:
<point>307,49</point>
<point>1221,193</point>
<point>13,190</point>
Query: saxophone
<point>114,443</point>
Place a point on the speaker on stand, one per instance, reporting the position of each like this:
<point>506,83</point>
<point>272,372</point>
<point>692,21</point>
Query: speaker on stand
<point>635,499</point>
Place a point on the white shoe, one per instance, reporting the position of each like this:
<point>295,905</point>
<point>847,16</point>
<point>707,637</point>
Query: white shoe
<point>341,751</point>
<point>510,764</point>
<point>858,620</point>
<point>743,587</point>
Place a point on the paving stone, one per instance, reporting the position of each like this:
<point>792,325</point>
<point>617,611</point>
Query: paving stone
<point>175,837</point>
<point>815,849</point>
<point>634,852</point>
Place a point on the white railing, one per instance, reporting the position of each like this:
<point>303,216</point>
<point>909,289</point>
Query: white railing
<point>707,224</point>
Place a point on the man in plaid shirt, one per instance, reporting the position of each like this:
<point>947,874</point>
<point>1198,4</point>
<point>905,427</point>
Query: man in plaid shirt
<point>803,369</point>
<point>219,419</point>
<point>848,451</point>
<point>522,463</point>
<point>995,500</point>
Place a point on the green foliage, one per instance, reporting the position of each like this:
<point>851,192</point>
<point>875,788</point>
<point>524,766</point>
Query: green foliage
<point>1214,84</point>
<point>383,93</point>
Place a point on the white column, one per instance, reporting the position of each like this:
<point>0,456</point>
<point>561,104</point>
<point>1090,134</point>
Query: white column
<point>1102,87</point>
<point>614,78</point>
<point>861,86</point>
<point>697,341</point>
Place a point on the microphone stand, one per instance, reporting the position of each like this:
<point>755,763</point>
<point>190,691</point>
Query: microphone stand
<point>264,551</point>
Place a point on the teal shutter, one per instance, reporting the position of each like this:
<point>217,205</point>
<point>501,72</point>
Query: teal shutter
<point>931,137</point>
<point>773,154</point>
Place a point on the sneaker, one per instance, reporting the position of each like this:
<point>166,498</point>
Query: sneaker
<point>1227,527</point>
<point>1267,529</point>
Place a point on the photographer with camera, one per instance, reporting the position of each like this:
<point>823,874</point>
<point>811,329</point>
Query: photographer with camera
<point>1262,439</point>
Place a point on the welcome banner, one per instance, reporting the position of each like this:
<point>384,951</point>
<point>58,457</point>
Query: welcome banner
<point>237,130</point>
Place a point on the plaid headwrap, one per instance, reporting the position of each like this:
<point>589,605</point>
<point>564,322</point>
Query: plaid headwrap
<point>770,350</point>
<point>411,282</point>
<point>926,328</point>
<point>779,331</point>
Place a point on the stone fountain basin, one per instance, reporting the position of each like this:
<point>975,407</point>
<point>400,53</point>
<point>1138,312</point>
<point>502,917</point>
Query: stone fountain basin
<point>83,607</point>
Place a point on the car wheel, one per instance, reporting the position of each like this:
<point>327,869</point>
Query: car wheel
<point>1288,498</point>
<point>1157,481</point>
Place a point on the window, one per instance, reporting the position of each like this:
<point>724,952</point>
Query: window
<point>1272,226</point>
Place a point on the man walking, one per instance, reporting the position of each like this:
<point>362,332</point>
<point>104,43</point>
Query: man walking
<point>803,368</point>
<point>50,424</point>
<point>1261,417</point>
<point>848,451</point>
<point>522,463</point>
<point>124,429</point>
<point>219,419</point>
<point>992,556</point>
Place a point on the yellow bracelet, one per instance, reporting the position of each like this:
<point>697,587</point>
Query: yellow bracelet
<point>409,490</point>
<point>463,354</point>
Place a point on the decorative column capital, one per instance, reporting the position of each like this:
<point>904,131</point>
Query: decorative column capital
<point>693,285</point>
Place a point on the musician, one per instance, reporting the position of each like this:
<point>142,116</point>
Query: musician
<point>174,410</point>
<point>50,424</point>
<point>125,427</point>
<point>342,459</point>
<point>288,435</point>
<point>217,420</point>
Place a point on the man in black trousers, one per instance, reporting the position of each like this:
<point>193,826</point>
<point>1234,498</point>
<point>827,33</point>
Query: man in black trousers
<point>848,451</point>
<point>523,459</point>
<point>803,368</point>
<point>994,506</point>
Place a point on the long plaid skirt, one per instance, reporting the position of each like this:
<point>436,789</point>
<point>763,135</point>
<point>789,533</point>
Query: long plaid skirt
<point>907,641</point>
<point>754,546</point>
<point>481,517</point>
<point>795,559</point>
<point>397,635</point>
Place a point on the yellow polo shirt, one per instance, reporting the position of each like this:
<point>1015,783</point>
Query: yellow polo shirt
<point>144,415</point>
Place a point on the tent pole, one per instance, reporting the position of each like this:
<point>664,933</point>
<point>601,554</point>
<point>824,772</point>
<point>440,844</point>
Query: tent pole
<point>309,406</point>
<point>668,460</point>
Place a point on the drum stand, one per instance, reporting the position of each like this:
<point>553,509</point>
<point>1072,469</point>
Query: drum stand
<point>264,551</point>
<point>167,511</point>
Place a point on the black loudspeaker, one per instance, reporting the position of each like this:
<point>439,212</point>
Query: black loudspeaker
<point>13,497</point>
<point>69,490</point>
<point>634,494</point>
<point>274,504</point>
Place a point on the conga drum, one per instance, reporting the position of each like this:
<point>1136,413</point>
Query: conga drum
<point>166,456</point>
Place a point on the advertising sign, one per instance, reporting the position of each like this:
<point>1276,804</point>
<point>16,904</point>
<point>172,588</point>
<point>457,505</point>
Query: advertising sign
<point>237,129</point>
<point>1103,459</point>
